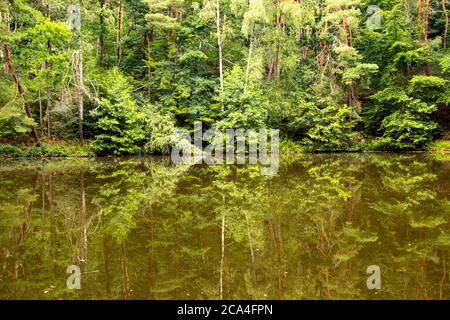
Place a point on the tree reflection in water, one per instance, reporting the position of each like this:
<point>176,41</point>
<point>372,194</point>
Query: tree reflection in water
<point>142,228</point>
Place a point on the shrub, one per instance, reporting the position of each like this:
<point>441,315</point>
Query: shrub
<point>118,118</point>
<point>331,129</point>
<point>9,151</point>
<point>408,128</point>
<point>45,151</point>
<point>159,128</point>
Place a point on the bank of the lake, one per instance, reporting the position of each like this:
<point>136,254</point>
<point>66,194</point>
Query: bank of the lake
<point>288,148</point>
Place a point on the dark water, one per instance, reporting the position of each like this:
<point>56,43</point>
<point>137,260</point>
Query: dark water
<point>145,229</point>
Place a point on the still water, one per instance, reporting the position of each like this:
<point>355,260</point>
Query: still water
<point>142,228</point>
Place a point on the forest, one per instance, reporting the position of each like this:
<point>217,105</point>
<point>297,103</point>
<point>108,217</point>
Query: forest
<point>117,77</point>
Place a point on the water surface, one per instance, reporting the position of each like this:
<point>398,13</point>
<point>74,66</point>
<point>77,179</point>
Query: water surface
<point>142,228</point>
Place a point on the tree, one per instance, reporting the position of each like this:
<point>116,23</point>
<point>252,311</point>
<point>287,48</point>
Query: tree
<point>163,14</point>
<point>118,118</point>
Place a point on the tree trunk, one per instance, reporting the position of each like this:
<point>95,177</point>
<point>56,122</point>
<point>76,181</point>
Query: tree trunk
<point>219,44</point>
<point>444,277</point>
<point>425,33</point>
<point>49,93</point>
<point>427,19</point>
<point>222,257</point>
<point>276,68</point>
<point>82,251</point>
<point>20,89</point>
<point>41,111</point>
<point>79,88</point>
<point>119,33</point>
<point>419,19</point>
<point>344,26</point>
<point>124,268</point>
<point>444,7</point>
<point>350,32</point>
<point>53,231</point>
<point>325,48</point>
<point>149,61</point>
<point>105,257</point>
<point>271,68</point>
<point>102,33</point>
<point>247,72</point>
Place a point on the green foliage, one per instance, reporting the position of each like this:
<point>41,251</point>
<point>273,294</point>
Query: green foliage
<point>245,109</point>
<point>13,122</point>
<point>288,65</point>
<point>429,88</point>
<point>408,128</point>
<point>118,117</point>
<point>441,147</point>
<point>9,151</point>
<point>44,151</point>
<point>331,129</point>
<point>159,128</point>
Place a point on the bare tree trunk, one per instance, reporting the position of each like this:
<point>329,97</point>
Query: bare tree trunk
<point>2,55</point>
<point>82,251</point>
<point>444,276</point>
<point>419,19</point>
<point>277,60</point>
<point>444,7</point>
<point>124,268</point>
<point>249,236</point>
<point>43,205</point>
<point>49,93</point>
<point>219,44</point>
<point>49,109</point>
<point>247,72</point>
<point>277,63</point>
<point>53,233</point>
<point>325,49</point>
<point>102,33</point>
<point>271,68</point>
<point>41,112</point>
<point>20,89</point>
<point>49,83</point>
<point>149,61</point>
<point>119,33</point>
<point>105,256</point>
<point>350,32</point>
<point>427,21</point>
<point>222,258</point>
<point>344,26</point>
<point>79,88</point>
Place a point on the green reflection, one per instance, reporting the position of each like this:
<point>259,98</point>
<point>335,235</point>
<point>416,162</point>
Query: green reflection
<point>142,228</point>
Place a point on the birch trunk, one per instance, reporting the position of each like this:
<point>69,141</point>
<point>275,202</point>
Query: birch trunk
<point>79,87</point>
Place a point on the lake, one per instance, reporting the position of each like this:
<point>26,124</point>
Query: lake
<point>143,228</point>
